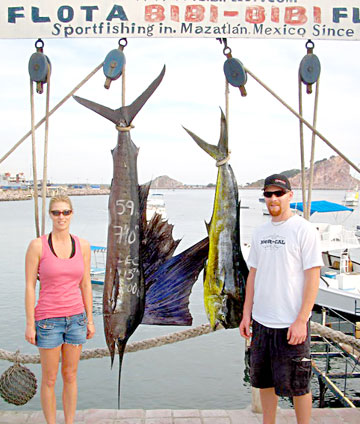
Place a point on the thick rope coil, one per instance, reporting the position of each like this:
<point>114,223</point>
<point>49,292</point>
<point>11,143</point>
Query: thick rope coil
<point>223,161</point>
<point>123,129</point>
<point>131,347</point>
<point>334,335</point>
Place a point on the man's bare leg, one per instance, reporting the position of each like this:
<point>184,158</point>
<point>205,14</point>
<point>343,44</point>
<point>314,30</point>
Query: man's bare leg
<point>269,401</point>
<point>303,406</point>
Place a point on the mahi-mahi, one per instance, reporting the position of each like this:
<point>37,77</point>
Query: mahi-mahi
<point>225,271</point>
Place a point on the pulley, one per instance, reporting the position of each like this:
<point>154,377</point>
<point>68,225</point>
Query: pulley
<point>234,70</point>
<point>309,67</point>
<point>114,63</point>
<point>39,67</point>
<point>235,74</point>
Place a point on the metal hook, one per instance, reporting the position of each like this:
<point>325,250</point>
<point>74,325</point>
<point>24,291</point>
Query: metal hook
<point>39,44</point>
<point>226,49</point>
<point>122,43</point>
<point>309,46</point>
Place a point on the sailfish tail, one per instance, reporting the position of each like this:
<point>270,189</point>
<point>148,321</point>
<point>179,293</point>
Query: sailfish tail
<point>220,151</point>
<point>125,113</point>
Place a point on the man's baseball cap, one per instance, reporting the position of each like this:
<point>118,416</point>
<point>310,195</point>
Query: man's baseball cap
<point>278,180</point>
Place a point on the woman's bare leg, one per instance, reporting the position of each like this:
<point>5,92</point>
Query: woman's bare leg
<point>69,366</point>
<point>49,366</point>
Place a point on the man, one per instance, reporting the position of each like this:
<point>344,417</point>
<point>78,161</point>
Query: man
<point>284,260</point>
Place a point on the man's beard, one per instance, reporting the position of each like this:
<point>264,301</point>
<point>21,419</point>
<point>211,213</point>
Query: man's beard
<point>275,212</point>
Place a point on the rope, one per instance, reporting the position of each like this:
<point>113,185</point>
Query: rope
<point>325,140</point>
<point>46,142</point>
<point>131,347</point>
<point>312,155</point>
<point>123,87</point>
<point>336,336</point>
<point>123,129</point>
<point>36,199</point>
<point>302,158</point>
<point>223,161</point>
<point>227,96</point>
<point>190,333</point>
<point>54,109</point>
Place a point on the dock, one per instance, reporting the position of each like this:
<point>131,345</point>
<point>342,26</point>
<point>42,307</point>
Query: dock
<point>183,416</point>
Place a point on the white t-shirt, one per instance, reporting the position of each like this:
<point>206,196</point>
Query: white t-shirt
<point>281,254</point>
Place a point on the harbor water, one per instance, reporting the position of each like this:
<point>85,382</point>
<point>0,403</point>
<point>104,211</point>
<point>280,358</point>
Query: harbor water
<point>206,372</point>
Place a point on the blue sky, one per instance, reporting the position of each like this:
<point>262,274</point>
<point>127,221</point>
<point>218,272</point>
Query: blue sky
<point>263,135</point>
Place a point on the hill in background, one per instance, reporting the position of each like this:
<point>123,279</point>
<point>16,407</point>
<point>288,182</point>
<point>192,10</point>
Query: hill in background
<point>332,173</point>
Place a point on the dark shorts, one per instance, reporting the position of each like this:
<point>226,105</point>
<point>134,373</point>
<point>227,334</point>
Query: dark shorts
<point>275,363</point>
<point>53,332</point>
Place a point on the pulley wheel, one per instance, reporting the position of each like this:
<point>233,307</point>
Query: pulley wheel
<point>309,69</point>
<point>38,67</point>
<point>114,64</point>
<point>235,72</point>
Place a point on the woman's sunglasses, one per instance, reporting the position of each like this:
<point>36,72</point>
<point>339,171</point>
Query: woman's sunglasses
<point>66,212</point>
<point>277,193</point>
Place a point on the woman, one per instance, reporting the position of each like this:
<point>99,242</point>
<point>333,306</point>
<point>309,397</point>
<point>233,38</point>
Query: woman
<point>62,319</point>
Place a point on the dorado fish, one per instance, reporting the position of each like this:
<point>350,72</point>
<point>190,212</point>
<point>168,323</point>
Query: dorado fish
<point>124,285</point>
<point>225,271</point>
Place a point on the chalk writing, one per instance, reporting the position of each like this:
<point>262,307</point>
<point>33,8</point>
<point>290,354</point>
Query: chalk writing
<point>126,236</point>
<point>129,261</point>
<point>123,205</point>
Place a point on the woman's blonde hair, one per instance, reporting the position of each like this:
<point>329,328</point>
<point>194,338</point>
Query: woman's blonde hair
<point>60,198</point>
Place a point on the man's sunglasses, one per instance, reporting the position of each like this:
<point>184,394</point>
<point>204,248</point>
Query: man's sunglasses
<point>66,212</point>
<point>277,193</point>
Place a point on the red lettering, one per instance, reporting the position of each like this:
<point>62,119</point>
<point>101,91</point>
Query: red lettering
<point>194,13</point>
<point>295,15</point>
<point>214,14</point>
<point>255,14</point>
<point>275,14</point>
<point>230,13</point>
<point>317,15</point>
<point>154,13</point>
<point>174,10</point>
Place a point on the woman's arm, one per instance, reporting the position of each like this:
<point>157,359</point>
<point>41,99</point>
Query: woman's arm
<point>86,290</point>
<point>32,260</point>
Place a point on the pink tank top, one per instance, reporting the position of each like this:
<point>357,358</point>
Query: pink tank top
<point>60,279</point>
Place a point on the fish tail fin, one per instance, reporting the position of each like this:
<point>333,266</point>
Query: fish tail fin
<point>126,113</point>
<point>104,111</point>
<point>121,349</point>
<point>132,110</point>
<point>210,149</point>
<point>220,151</point>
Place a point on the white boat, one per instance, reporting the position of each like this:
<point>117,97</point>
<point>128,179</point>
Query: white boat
<point>155,203</point>
<point>337,291</point>
<point>97,264</point>
<point>351,198</point>
<point>340,292</point>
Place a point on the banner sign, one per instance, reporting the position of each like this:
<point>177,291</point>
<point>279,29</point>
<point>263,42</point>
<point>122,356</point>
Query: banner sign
<point>305,19</point>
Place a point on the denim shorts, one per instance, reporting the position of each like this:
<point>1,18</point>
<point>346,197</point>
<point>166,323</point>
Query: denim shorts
<point>276,363</point>
<point>53,332</point>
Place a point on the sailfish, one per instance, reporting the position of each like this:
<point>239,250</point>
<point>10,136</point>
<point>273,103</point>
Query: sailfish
<point>143,281</point>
